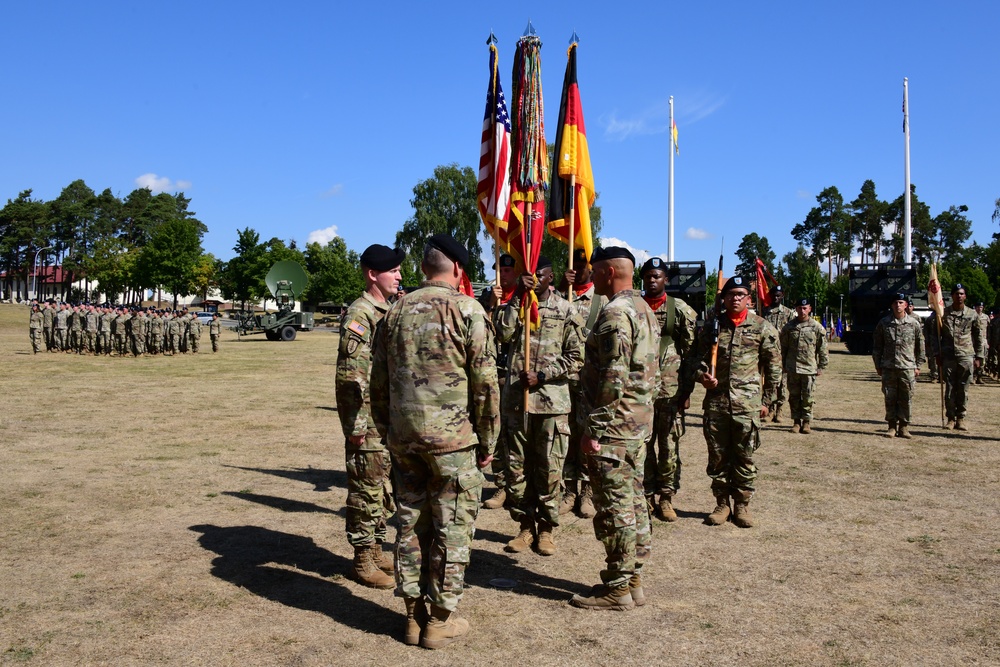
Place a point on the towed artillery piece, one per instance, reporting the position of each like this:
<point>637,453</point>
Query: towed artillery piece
<point>286,280</point>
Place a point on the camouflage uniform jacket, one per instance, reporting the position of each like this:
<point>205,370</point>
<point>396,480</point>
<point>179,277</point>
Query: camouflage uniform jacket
<point>76,320</point>
<point>803,347</point>
<point>354,365</point>
<point>984,331</point>
<point>104,321</point>
<point>36,320</point>
<point>91,321</point>
<point>582,304</point>
<point>960,334</point>
<point>172,325</point>
<point>118,325</point>
<point>62,318</point>
<point>434,375</point>
<point>931,335</point>
<point>778,315</point>
<point>678,350</point>
<point>215,328</point>
<point>621,370</point>
<point>156,326</point>
<point>899,343</point>
<point>47,315</point>
<point>556,351</point>
<point>194,327</point>
<point>744,352</point>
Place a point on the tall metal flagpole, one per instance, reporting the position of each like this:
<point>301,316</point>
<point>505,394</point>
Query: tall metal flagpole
<point>908,247</point>
<point>670,188</point>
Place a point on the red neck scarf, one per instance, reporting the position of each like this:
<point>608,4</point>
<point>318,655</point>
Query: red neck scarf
<point>507,293</point>
<point>737,320</point>
<point>581,290</point>
<point>656,302</point>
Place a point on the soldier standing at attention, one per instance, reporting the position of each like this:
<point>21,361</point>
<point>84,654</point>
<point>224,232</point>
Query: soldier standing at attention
<point>578,494</point>
<point>155,332</point>
<point>804,357</point>
<point>734,403</point>
<point>75,330</point>
<point>48,313</point>
<point>35,324</point>
<point>898,352</point>
<point>537,444</point>
<point>961,352</point>
<point>61,326</point>
<point>104,322</point>
<point>436,401</point>
<point>932,345</point>
<point>369,501</point>
<point>677,324</point>
<point>984,327</point>
<point>215,331</point>
<point>90,323</point>
<point>118,331</point>
<point>778,315</point>
<point>173,332</point>
<point>620,380</point>
<point>194,334</point>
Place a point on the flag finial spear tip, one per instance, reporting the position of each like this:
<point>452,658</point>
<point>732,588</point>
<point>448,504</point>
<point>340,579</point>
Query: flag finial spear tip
<point>529,30</point>
<point>492,39</point>
<point>574,39</point>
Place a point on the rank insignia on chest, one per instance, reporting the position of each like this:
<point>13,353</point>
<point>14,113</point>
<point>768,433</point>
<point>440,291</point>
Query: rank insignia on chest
<point>357,328</point>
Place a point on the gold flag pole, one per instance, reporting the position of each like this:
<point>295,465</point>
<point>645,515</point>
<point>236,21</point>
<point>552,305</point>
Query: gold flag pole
<point>572,216</point>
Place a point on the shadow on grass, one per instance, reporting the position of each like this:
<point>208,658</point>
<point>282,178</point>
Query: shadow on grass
<point>326,407</point>
<point>322,479</point>
<point>850,421</point>
<point>248,556</point>
<point>284,504</point>
<point>486,566</point>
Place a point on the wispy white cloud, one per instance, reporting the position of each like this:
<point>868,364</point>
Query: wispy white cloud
<point>157,184</point>
<point>655,118</point>
<point>333,191</point>
<point>323,236</point>
<point>640,255</point>
<point>696,234</point>
<point>803,194</point>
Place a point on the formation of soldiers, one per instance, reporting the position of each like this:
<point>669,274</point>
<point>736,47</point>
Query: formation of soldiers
<point>117,330</point>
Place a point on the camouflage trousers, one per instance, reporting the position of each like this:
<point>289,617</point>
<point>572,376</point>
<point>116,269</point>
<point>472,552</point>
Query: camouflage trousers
<point>76,340</point>
<point>155,343</point>
<point>59,340</point>
<point>980,373</point>
<point>800,395</point>
<point>897,387</point>
<point>103,342</point>
<point>194,343</point>
<point>138,345</point>
<point>47,337</point>
<point>90,341</point>
<point>731,440</point>
<point>369,493</point>
<point>662,473</point>
<point>622,521</point>
<point>437,500</point>
<point>576,466</point>
<point>215,343</point>
<point>780,393</point>
<point>534,465</point>
<point>36,340</point>
<point>175,341</point>
<point>957,375</point>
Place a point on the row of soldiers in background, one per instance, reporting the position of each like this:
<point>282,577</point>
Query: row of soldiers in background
<point>116,330</point>
<point>989,328</point>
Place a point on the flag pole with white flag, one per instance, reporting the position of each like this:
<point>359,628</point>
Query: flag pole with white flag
<point>670,185</point>
<point>908,247</point>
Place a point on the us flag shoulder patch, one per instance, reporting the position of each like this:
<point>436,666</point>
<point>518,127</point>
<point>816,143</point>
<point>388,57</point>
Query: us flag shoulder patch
<point>357,328</point>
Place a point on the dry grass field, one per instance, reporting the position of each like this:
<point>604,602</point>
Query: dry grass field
<point>190,511</point>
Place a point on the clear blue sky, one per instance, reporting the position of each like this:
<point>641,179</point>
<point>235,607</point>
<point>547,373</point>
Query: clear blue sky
<point>298,117</point>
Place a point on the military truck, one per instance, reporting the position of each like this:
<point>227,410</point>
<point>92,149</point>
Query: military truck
<point>871,289</point>
<point>286,280</point>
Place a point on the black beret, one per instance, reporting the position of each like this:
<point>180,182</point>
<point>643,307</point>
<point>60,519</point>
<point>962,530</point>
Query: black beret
<point>450,247</point>
<point>579,255</point>
<point>899,296</point>
<point>612,252</point>
<point>382,258</point>
<point>652,263</point>
<point>736,282</point>
<point>980,305</point>
<point>802,302</point>
<point>777,289</point>
<point>543,262</point>
<point>506,261</point>
<point>958,286</point>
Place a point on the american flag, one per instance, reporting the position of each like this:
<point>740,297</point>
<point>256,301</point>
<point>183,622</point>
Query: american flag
<point>493,189</point>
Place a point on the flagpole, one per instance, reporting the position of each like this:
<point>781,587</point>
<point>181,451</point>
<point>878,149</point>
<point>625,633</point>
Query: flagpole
<point>670,188</point>
<point>908,248</point>
<point>527,319</point>
<point>572,215</point>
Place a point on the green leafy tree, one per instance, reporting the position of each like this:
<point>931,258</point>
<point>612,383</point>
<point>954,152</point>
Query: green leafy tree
<point>73,215</point>
<point>204,276</point>
<point>922,231</point>
<point>751,247</point>
<point>334,273</point>
<point>170,257</point>
<point>804,279</point>
<point>869,214</point>
<point>24,229</point>
<point>242,276</point>
<point>823,230</point>
<point>446,202</point>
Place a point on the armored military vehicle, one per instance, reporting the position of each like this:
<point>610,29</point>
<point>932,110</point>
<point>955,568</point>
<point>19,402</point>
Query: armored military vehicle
<point>286,280</point>
<point>871,289</point>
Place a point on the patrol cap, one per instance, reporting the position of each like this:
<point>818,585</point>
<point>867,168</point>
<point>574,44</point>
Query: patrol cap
<point>899,296</point>
<point>802,302</point>
<point>382,258</point>
<point>612,252</point>
<point>957,287</point>
<point>506,261</point>
<point>735,282</point>
<point>652,263</point>
<point>450,247</point>
<point>543,262</point>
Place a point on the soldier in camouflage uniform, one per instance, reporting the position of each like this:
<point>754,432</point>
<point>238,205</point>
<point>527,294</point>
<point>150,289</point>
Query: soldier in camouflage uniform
<point>620,379</point>
<point>435,400</point>
<point>898,353</point>
<point>194,334</point>
<point>961,352</point>
<point>804,357</point>
<point>587,303</point>
<point>104,322</point>
<point>91,323</point>
<point>734,403</point>
<point>155,332</point>
<point>173,339</point>
<point>75,330</point>
<point>369,499</point>
<point>215,331</point>
<point>537,443</point>
<point>933,346</point>
<point>677,324</point>
<point>48,314</point>
<point>994,340</point>
<point>984,327</point>
<point>139,332</point>
<point>118,332</point>
<point>778,315</point>
<point>60,327</point>
<point>35,323</point>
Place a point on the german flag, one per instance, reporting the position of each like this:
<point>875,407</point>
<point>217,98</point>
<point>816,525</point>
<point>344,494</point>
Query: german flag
<point>572,158</point>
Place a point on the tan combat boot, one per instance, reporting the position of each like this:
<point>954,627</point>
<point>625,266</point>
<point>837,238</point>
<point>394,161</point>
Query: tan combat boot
<point>416,620</point>
<point>960,424</point>
<point>569,498</point>
<point>795,426</point>
<point>777,415</point>
<point>546,545</point>
<point>635,589</point>
<point>587,509</point>
<point>496,502</point>
<point>891,431</point>
<point>382,561</point>
<point>666,508</point>
<point>721,511</point>
<point>951,422</point>
<point>741,509</point>
<point>366,572</point>
<point>805,427</point>
<point>443,627</point>
<point>524,538</point>
<point>904,431</point>
<point>605,598</point>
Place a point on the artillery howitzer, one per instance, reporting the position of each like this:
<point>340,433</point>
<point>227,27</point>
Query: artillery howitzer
<point>286,280</point>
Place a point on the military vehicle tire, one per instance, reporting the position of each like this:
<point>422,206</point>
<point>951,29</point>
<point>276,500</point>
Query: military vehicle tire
<point>287,333</point>
<point>272,334</point>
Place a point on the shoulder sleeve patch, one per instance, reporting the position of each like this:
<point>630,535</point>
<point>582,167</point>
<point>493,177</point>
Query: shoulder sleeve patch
<point>357,328</point>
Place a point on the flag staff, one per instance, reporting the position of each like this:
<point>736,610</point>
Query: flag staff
<point>908,247</point>
<point>670,187</point>
<point>572,203</point>
<point>491,42</point>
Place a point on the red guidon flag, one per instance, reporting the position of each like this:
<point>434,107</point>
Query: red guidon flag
<point>572,158</point>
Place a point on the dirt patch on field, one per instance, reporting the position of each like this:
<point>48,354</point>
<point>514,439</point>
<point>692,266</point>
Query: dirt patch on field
<point>190,510</point>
